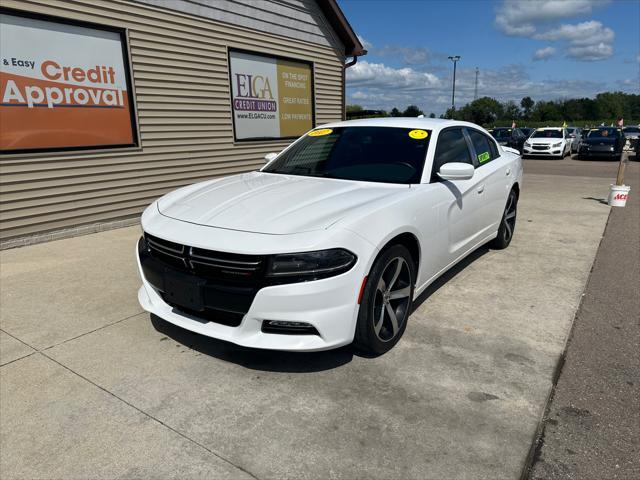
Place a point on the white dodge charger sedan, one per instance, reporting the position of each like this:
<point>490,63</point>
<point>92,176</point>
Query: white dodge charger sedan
<point>330,242</point>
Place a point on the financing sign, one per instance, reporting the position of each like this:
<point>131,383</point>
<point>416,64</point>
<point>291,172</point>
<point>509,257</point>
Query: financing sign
<point>271,97</point>
<point>62,86</point>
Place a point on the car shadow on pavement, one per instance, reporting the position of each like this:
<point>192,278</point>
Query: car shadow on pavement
<point>291,362</point>
<point>447,276</point>
<point>255,359</point>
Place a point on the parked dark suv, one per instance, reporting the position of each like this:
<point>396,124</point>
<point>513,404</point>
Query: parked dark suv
<point>509,137</point>
<point>602,142</point>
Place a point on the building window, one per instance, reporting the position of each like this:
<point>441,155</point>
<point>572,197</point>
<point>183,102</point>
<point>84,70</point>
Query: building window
<point>64,85</point>
<point>271,97</point>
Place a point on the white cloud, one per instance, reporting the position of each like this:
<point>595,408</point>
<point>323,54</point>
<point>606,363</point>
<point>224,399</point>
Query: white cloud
<point>409,55</point>
<point>544,53</point>
<point>365,43</point>
<point>589,53</point>
<point>585,33</point>
<point>377,86</point>
<point>521,17</point>
<point>586,41</point>
<point>378,75</point>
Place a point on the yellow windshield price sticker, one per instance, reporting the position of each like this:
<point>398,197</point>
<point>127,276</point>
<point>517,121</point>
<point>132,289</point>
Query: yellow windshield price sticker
<point>320,133</point>
<point>418,134</point>
<point>483,157</point>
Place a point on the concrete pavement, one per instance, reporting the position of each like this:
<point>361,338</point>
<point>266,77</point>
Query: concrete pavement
<point>111,393</point>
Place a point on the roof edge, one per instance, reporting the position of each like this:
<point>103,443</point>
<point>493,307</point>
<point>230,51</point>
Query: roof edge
<point>332,11</point>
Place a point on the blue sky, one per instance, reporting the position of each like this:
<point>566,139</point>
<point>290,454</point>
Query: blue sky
<point>547,49</point>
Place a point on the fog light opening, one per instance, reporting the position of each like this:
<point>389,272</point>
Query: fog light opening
<point>285,327</point>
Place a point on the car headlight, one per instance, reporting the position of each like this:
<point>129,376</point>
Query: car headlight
<point>527,143</point>
<point>557,144</point>
<point>304,266</point>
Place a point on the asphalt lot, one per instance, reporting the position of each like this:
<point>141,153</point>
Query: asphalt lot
<point>592,426</point>
<point>92,387</point>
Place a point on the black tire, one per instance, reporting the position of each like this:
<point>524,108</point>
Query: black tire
<point>507,223</point>
<point>375,331</point>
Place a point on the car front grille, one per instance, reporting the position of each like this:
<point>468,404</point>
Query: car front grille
<point>540,147</point>
<point>208,264</point>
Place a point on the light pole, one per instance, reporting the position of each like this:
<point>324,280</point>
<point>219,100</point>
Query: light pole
<point>475,91</point>
<point>454,59</point>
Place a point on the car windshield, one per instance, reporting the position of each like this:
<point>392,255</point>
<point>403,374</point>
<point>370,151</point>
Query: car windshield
<point>631,130</point>
<point>571,130</point>
<point>604,132</point>
<point>371,154</point>
<point>553,133</point>
<point>499,133</point>
<point>526,131</point>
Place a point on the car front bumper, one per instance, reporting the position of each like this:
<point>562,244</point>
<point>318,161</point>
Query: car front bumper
<point>597,152</point>
<point>554,152</point>
<point>329,305</point>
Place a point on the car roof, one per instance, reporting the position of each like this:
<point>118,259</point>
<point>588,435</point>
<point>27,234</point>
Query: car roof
<point>433,124</point>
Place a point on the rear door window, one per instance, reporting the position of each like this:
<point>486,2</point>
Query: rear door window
<point>482,146</point>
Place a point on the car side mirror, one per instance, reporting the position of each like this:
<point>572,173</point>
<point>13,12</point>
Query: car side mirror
<point>269,156</point>
<point>456,171</point>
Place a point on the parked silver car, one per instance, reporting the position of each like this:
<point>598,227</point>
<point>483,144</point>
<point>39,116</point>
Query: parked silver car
<point>575,133</point>
<point>632,134</point>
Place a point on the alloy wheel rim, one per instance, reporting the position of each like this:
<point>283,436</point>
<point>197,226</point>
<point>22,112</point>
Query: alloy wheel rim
<point>510,217</point>
<point>392,298</point>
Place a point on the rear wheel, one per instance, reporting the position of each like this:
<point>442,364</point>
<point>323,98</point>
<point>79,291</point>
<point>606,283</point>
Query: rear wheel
<point>386,301</point>
<point>508,223</point>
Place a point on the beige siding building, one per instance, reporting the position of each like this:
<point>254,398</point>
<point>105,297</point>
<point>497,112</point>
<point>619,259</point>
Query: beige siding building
<point>187,123</point>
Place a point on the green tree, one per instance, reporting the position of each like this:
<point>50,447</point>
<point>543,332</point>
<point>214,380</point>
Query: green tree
<point>483,111</point>
<point>432,115</point>
<point>527,104</point>
<point>610,105</point>
<point>511,111</point>
<point>395,112</point>
<point>412,111</point>
<point>353,108</point>
<point>546,112</point>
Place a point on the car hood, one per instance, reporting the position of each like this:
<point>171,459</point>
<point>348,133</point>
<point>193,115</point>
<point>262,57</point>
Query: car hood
<point>599,140</point>
<point>272,203</point>
<point>544,141</point>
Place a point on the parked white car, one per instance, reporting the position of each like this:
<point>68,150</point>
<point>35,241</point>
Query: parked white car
<point>332,240</point>
<point>548,142</point>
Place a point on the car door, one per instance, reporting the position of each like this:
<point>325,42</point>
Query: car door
<point>460,199</point>
<point>493,170</point>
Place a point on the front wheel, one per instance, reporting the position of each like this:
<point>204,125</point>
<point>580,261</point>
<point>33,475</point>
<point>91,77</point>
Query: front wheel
<point>386,301</point>
<point>508,223</point>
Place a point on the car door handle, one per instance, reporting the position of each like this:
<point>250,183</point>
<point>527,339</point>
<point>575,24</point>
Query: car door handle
<point>508,172</point>
<point>481,189</point>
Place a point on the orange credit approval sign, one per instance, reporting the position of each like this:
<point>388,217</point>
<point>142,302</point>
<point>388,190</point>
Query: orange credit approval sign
<point>62,86</point>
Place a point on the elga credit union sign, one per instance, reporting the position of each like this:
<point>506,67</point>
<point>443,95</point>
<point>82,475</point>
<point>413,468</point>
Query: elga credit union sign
<point>271,97</point>
<point>63,87</point>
